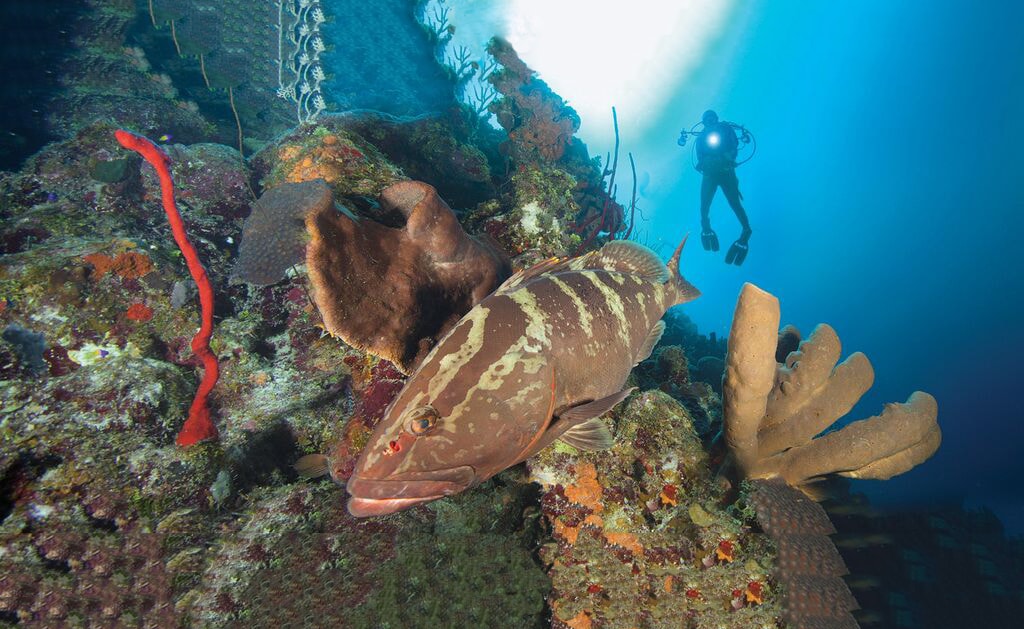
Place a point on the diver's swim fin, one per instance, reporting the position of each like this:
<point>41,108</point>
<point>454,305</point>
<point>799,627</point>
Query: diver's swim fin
<point>737,253</point>
<point>709,239</point>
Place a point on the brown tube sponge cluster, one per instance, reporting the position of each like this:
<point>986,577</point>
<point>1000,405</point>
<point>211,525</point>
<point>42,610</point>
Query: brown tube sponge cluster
<point>393,291</point>
<point>780,393</point>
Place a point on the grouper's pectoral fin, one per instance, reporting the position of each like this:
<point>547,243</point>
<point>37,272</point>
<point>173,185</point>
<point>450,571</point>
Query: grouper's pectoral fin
<point>534,445</point>
<point>584,428</point>
<point>580,426</point>
<point>592,434</point>
<point>593,410</point>
<point>652,339</point>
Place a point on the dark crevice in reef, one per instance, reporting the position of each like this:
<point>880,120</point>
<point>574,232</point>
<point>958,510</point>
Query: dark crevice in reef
<point>58,565</point>
<point>103,524</point>
<point>535,530</point>
<point>17,477</point>
<point>265,458</point>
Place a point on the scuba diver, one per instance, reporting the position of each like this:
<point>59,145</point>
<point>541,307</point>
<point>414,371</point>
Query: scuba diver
<point>716,149</point>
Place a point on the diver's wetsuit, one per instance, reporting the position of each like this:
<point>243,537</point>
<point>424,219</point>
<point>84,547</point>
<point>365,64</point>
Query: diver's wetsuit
<point>717,162</point>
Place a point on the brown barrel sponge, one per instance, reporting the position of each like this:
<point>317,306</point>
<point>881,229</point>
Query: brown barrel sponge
<point>394,291</point>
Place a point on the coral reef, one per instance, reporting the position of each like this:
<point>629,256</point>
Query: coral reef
<point>106,74</point>
<point>255,71</point>
<point>535,214</point>
<point>274,234</point>
<point>539,124</point>
<point>100,567</point>
<point>456,151</point>
<point>435,273</point>
<point>350,165</point>
<point>104,522</point>
<point>809,567</point>
<point>228,59</point>
<point>640,536</point>
<point>557,190</point>
<point>375,383</point>
<point>382,59</point>
<point>668,369</point>
<point>296,559</point>
<point>905,565</point>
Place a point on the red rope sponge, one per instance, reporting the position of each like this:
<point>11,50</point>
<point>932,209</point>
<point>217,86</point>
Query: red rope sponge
<point>198,427</point>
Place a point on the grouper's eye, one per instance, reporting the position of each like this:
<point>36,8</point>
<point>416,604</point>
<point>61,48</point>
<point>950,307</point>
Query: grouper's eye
<point>421,420</point>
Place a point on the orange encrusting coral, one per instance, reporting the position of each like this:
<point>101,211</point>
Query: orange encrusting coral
<point>586,491</point>
<point>139,312</point>
<point>628,541</point>
<point>129,265</point>
<point>579,621</point>
<point>611,529</point>
<point>331,161</point>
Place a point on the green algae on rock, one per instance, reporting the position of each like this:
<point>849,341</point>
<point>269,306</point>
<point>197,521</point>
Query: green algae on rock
<point>297,558</point>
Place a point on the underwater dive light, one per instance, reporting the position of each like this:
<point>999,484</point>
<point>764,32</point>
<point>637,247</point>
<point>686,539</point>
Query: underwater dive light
<point>714,139</point>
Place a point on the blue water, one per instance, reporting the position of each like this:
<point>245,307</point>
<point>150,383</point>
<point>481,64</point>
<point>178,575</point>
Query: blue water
<point>886,200</point>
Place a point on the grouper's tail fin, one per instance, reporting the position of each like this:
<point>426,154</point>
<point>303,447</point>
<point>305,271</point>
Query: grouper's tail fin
<point>681,290</point>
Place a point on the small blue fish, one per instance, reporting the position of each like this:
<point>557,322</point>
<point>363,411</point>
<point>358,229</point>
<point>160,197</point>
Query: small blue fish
<point>51,197</point>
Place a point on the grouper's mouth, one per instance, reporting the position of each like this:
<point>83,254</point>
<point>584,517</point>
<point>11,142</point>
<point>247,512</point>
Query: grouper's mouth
<point>381,496</point>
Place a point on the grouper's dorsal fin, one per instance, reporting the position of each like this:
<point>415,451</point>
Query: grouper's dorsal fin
<point>550,265</point>
<point>586,430</point>
<point>626,256</point>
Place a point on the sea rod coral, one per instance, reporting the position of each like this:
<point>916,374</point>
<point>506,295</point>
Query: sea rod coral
<point>198,427</point>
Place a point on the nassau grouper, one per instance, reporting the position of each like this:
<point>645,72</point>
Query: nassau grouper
<point>540,359</point>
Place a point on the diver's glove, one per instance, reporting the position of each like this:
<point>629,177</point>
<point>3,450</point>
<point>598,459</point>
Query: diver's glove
<point>738,251</point>
<point>709,239</point>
